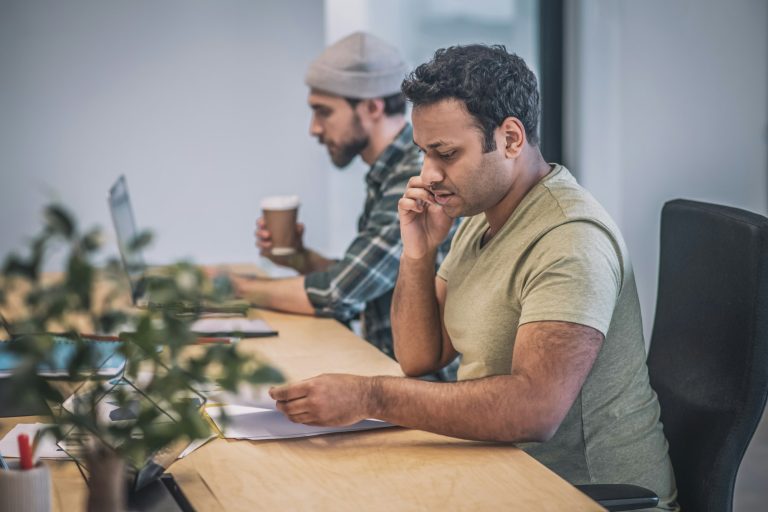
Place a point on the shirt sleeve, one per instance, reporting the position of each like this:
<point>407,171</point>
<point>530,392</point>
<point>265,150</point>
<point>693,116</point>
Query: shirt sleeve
<point>572,274</point>
<point>370,264</point>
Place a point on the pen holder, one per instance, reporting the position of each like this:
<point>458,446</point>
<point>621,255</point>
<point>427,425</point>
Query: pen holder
<point>28,490</point>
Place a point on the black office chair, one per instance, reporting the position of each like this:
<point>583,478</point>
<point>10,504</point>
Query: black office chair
<point>708,360</point>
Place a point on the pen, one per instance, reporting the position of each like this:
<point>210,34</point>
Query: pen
<point>25,452</point>
<point>3,464</point>
<point>200,340</point>
<point>226,340</point>
<point>84,336</point>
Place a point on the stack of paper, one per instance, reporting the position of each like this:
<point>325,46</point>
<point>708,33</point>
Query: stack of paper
<point>257,423</point>
<point>232,326</point>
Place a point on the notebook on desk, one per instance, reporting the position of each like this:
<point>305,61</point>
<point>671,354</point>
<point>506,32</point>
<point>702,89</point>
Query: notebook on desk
<point>133,260</point>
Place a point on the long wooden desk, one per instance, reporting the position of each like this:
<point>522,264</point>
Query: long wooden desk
<point>389,469</point>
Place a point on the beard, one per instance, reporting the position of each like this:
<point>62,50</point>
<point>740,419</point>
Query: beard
<point>479,196</point>
<point>348,149</point>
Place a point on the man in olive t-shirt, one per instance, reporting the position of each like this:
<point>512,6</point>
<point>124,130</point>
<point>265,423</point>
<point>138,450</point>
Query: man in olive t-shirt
<point>559,257</point>
<point>537,294</point>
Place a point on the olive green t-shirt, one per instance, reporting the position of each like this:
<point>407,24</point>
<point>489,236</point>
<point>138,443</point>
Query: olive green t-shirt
<point>560,257</point>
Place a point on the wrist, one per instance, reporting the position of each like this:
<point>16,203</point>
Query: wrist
<point>298,261</point>
<point>373,397</point>
<point>426,259</point>
<point>302,265</point>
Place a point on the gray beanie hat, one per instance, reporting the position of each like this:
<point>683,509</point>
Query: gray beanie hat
<point>359,66</point>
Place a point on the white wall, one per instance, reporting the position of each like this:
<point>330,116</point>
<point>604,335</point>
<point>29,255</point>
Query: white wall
<point>201,104</point>
<point>346,187</point>
<point>667,99</point>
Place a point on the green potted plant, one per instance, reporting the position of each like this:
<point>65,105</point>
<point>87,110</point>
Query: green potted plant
<point>157,392</point>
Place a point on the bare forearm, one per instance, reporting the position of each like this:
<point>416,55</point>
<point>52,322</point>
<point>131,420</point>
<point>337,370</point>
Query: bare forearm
<point>304,261</point>
<point>416,324</point>
<point>551,361</point>
<point>280,294</point>
<point>500,408</point>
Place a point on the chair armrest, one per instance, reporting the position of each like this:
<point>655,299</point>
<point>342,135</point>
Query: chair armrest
<point>616,497</point>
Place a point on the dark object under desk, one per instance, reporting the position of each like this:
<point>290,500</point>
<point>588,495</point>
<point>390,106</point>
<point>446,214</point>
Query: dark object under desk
<point>162,495</point>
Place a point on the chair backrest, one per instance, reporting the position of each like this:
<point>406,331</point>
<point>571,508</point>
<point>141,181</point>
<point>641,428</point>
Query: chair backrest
<point>708,360</point>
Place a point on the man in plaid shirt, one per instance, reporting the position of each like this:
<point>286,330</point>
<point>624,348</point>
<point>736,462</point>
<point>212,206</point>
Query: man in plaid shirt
<point>358,109</point>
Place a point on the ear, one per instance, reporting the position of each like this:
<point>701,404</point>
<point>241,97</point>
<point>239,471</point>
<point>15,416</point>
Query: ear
<point>373,108</point>
<point>513,133</point>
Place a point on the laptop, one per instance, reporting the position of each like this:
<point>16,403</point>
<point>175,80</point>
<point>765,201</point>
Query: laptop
<point>133,260</point>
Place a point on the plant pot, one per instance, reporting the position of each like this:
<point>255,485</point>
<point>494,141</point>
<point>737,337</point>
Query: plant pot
<point>106,482</point>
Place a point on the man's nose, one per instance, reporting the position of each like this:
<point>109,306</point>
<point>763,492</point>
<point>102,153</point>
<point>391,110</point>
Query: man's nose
<point>430,173</point>
<point>315,128</point>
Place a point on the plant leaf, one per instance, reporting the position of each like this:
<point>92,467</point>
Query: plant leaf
<point>265,374</point>
<point>14,265</point>
<point>92,240</point>
<point>60,221</point>
<point>140,241</point>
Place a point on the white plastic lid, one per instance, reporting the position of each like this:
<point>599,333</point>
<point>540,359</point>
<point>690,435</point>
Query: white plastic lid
<point>280,203</point>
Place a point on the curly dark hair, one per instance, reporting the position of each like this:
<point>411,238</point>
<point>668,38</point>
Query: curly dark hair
<point>493,84</point>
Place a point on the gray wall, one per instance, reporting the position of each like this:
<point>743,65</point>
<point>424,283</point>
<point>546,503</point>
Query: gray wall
<point>667,99</point>
<point>201,104</point>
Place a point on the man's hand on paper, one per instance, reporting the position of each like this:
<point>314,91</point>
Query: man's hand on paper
<point>326,400</point>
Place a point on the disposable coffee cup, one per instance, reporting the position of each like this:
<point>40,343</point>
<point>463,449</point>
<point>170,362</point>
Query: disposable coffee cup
<point>280,213</point>
<point>28,490</point>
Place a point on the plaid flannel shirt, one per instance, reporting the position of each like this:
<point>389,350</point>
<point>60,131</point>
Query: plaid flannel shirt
<point>364,279</point>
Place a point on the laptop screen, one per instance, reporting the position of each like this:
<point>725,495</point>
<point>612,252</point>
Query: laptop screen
<point>125,227</point>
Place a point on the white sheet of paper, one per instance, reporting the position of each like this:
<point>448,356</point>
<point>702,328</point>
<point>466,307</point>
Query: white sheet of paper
<point>230,324</point>
<point>46,448</point>
<point>248,395</point>
<point>107,410</point>
<point>257,424</point>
